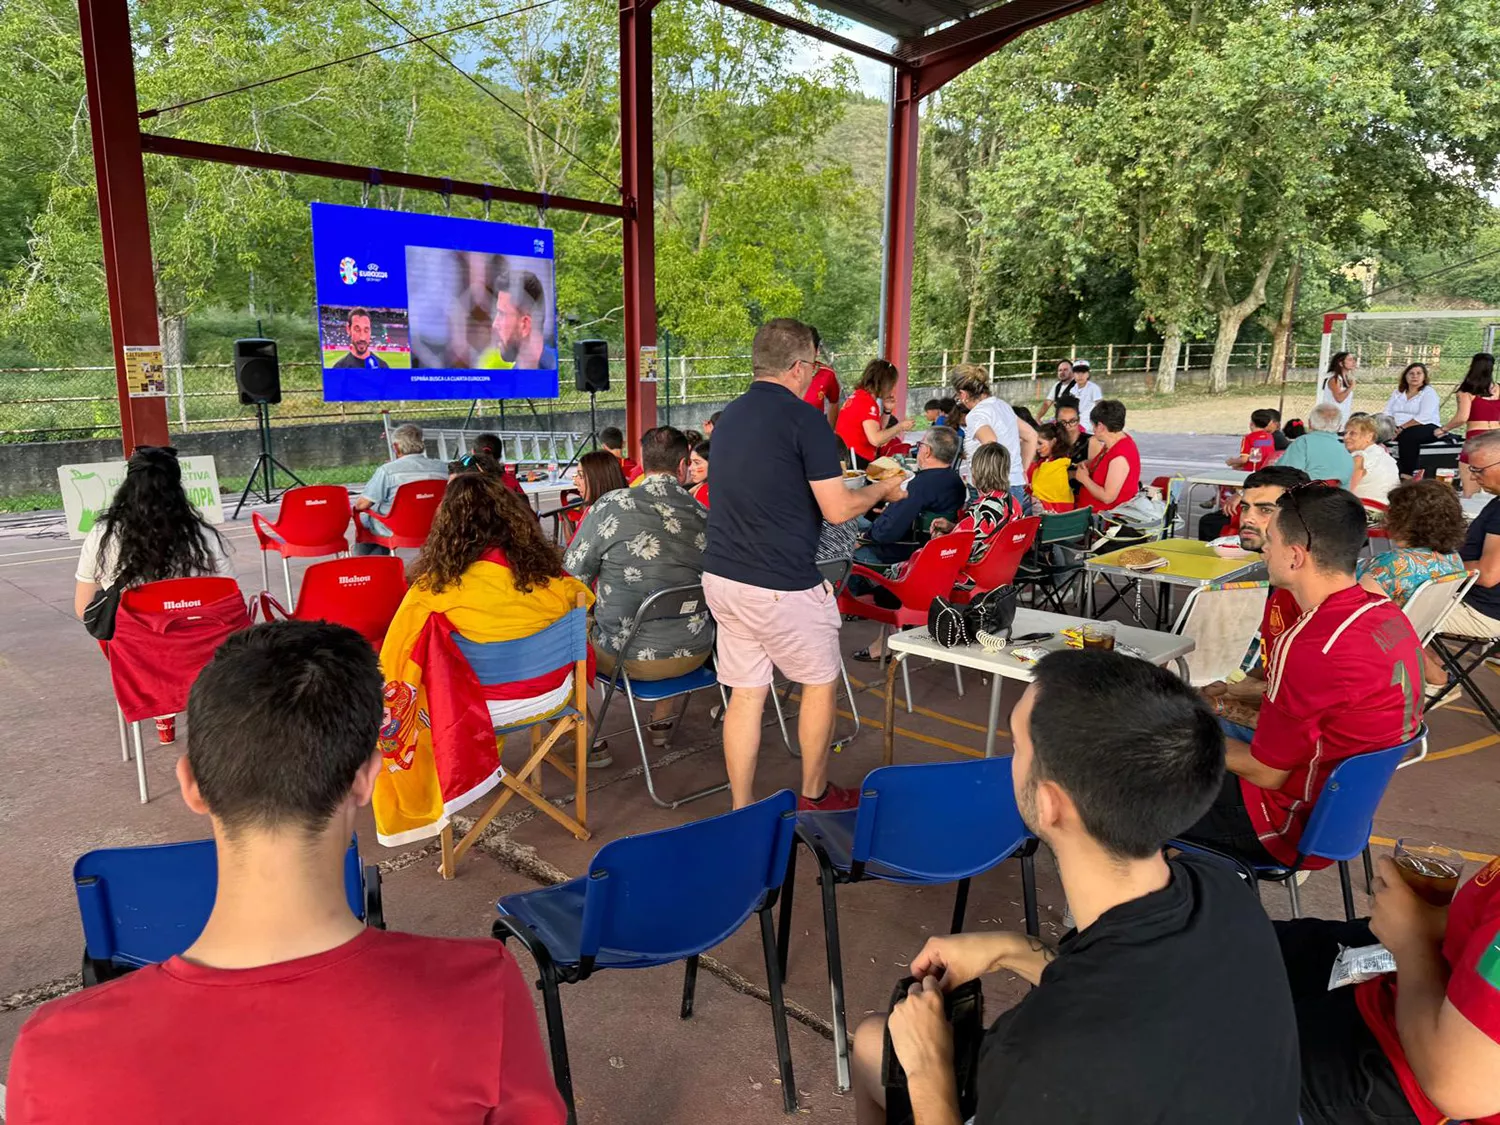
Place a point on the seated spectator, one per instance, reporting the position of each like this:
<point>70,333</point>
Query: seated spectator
<point>694,438</point>
<point>934,413</point>
<point>698,471</point>
<point>1167,1002</point>
<point>1049,479</point>
<point>491,444</point>
<point>1238,703</point>
<point>1113,475</point>
<point>633,543</point>
<point>1258,447</point>
<point>935,492</point>
<point>476,462</point>
<point>1293,430</point>
<point>613,441</point>
<point>411,464</point>
<point>1278,435</point>
<point>957,418</point>
<point>598,474</point>
<point>1419,1046</point>
<point>1414,409</point>
<point>1478,616</point>
<point>1343,680</point>
<point>1318,452</point>
<point>823,391</point>
<point>1375,472</point>
<point>859,421</point>
<point>996,507</point>
<point>710,422</point>
<point>488,573</point>
<point>148,533</point>
<point>265,1016</point>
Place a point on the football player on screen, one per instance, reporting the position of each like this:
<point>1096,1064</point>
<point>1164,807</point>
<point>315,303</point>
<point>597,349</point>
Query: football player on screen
<point>520,317</point>
<point>357,322</point>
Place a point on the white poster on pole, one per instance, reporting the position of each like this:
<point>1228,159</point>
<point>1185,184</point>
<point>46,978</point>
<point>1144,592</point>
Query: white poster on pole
<point>88,489</point>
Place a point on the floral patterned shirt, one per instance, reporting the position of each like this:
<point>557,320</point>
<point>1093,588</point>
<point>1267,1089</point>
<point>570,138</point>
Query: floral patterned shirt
<point>1402,570</point>
<point>632,543</point>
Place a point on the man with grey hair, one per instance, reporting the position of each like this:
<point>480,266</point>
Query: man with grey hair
<point>1478,616</point>
<point>777,477</point>
<point>1319,453</point>
<point>937,491</point>
<point>411,463</point>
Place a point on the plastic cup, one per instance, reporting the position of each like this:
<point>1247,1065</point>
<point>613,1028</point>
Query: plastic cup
<point>1099,635</point>
<point>1431,870</point>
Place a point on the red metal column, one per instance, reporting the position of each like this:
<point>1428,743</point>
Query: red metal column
<point>123,219</point>
<point>901,226</point>
<point>637,183</point>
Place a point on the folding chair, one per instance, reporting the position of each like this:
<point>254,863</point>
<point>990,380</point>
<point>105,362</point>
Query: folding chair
<point>151,673</point>
<point>674,603</point>
<point>363,592</point>
<point>931,573</point>
<point>892,836</point>
<point>656,899</point>
<point>140,906</point>
<point>1049,571</point>
<point>410,518</point>
<point>1453,659</point>
<point>1341,820</point>
<point>313,522</point>
<point>563,642</point>
<point>836,573</point>
<point>1223,622</point>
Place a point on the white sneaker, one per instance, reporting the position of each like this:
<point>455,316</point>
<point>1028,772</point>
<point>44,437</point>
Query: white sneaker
<point>599,757</point>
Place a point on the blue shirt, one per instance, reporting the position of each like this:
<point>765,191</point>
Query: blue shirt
<point>764,524</point>
<point>1486,599</point>
<point>1321,456</point>
<point>940,492</point>
<point>381,488</point>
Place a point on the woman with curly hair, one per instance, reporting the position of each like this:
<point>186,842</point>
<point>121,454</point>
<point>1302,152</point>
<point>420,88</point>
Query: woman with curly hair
<point>486,573</point>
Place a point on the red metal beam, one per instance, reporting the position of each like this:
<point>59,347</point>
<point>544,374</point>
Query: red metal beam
<point>944,55</point>
<point>792,23</point>
<point>638,183</point>
<point>328,169</point>
<point>901,226</point>
<point>125,224</point>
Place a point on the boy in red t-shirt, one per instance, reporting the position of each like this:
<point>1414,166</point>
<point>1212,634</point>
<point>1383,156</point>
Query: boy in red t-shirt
<point>1420,1046</point>
<point>823,391</point>
<point>1258,447</point>
<point>1344,679</point>
<point>286,1008</point>
<point>612,438</point>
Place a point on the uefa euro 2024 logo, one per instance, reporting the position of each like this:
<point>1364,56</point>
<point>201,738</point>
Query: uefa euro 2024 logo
<point>348,274</point>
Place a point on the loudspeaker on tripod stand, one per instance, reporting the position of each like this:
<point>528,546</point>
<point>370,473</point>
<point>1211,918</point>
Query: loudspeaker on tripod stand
<point>591,365</point>
<point>257,373</point>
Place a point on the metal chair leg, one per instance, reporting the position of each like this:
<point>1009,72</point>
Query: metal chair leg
<point>1348,888</point>
<point>1291,889</point>
<point>960,906</point>
<point>124,739</point>
<point>265,571</point>
<point>286,573</point>
<point>835,973</point>
<point>689,986</point>
<point>958,680</point>
<point>853,703</point>
<point>140,763</point>
<point>784,926</point>
<point>1369,872</point>
<point>640,741</point>
<point>906,679</point>
<point>557,1040</point>
<point>1028,892</point>
<point>778,1014</point>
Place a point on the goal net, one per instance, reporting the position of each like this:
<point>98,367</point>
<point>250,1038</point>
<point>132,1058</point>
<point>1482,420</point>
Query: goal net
<point>1384,343</point>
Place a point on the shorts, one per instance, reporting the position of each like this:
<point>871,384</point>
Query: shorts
<point>796,631</point>
<point>649,671</point>
<point>1466,621</point>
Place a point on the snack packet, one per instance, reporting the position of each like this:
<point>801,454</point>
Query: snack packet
<point>1361,963</point>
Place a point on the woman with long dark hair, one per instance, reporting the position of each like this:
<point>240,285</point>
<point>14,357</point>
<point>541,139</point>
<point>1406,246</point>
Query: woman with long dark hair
<point>1414,407</point>
<point>149,532</point>
<point>1478,410</point>
<point>1338,384</point>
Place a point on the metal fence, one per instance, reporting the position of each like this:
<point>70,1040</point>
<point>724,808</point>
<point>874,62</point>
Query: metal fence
<point>61,403</point>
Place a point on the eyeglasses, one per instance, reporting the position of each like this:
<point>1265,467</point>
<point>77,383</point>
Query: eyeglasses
<point>1477,469</point>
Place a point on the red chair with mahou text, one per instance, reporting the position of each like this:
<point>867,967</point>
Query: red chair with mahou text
<point>363,593</point>
<point>313,522</point>
<point>165,632</point>
<point>410,518</point>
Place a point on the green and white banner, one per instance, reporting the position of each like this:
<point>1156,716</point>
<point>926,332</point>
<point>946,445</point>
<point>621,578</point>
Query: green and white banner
<point>88,489</point>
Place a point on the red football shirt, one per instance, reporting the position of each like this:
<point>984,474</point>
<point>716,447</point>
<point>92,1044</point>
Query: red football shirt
<point>851,423</point>
<point>1345,679</point>
<point>1262,440</point>
<point>1280,615</point>
<point>1471,947</point>
<point>823,389</point>
<point>387,1027</point>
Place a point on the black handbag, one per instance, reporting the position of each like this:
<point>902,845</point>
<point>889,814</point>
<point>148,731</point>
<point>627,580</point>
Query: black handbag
<point>964,1007</point>
<point>99,614</point>
<point>993,611</point>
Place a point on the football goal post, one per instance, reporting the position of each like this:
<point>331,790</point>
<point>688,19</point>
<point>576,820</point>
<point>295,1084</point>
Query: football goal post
<point>1385,342</point>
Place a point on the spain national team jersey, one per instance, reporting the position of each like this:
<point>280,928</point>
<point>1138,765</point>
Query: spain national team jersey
<point>1344,679</point>
<point>1280,615</point>
<point>1471,948</point>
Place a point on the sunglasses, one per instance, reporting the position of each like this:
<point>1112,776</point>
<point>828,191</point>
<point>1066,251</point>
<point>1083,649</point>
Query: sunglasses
<point>1292,500</point>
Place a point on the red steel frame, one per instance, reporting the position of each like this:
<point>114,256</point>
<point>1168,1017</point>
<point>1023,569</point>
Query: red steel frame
<point>921,67</point>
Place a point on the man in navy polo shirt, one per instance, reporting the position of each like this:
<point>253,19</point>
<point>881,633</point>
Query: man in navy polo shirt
<point>777,477</point>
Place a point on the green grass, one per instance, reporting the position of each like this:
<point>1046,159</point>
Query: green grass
<point>229,487</point>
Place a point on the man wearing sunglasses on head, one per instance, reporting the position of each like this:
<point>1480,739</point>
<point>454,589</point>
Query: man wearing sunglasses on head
<point>1344,679</point>
<point>1478,615</point>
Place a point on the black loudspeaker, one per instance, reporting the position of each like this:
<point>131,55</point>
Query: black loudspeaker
<point>591,365</point>
<point>256,372</point>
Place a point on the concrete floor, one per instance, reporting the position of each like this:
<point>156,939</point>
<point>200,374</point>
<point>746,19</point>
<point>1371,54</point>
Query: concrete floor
<point>67,791</point>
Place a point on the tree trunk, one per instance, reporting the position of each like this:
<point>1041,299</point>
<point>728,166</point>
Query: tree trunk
<point>973,316</point>
<point>1171,349</point>
<point>1233,316</point>
<point>1281,330</point>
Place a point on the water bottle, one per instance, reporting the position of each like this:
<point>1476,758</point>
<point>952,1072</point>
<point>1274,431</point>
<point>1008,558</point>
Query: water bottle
<point>552,471</point>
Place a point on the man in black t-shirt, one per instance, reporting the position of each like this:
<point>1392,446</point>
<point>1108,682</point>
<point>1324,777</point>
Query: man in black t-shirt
<point>1478,616</point>
<point>777,477</point>
<point>1169,1002</point>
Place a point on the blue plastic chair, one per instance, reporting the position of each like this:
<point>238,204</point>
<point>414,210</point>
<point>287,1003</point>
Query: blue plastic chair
<point>655,899</point>
<point>563,642</point>
<point>929,824</point>
<point>1341,821</point>
<point>673,603</point>
<point>141,906</point>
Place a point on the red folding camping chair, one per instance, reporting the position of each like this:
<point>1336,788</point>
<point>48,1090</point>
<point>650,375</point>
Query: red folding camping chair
<point>410,518</point>
<point>313,522</point>
<point>165,632</point>
<point>932,573</point>
<point>363,593</point>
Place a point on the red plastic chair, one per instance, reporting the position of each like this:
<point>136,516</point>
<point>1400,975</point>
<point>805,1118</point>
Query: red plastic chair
<point>164,634</point>
<point>932,573</point>
<point>362,593</point>
<point>313,521</point>
<point>1001,561</point>
<point>410,517</point>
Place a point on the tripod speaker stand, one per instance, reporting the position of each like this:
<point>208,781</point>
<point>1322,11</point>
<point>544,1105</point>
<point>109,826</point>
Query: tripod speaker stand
<point>265,464</point>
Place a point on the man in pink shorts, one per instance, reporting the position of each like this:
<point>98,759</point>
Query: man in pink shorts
<point>777,477</point>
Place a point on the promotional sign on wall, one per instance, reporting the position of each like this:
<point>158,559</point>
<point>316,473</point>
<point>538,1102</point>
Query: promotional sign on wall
<point>88,489</point>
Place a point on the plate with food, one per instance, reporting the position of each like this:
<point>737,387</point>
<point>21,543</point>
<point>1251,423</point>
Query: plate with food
<point>1139,558</point>
<point>1228,547</point>
<point>884,468</point>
